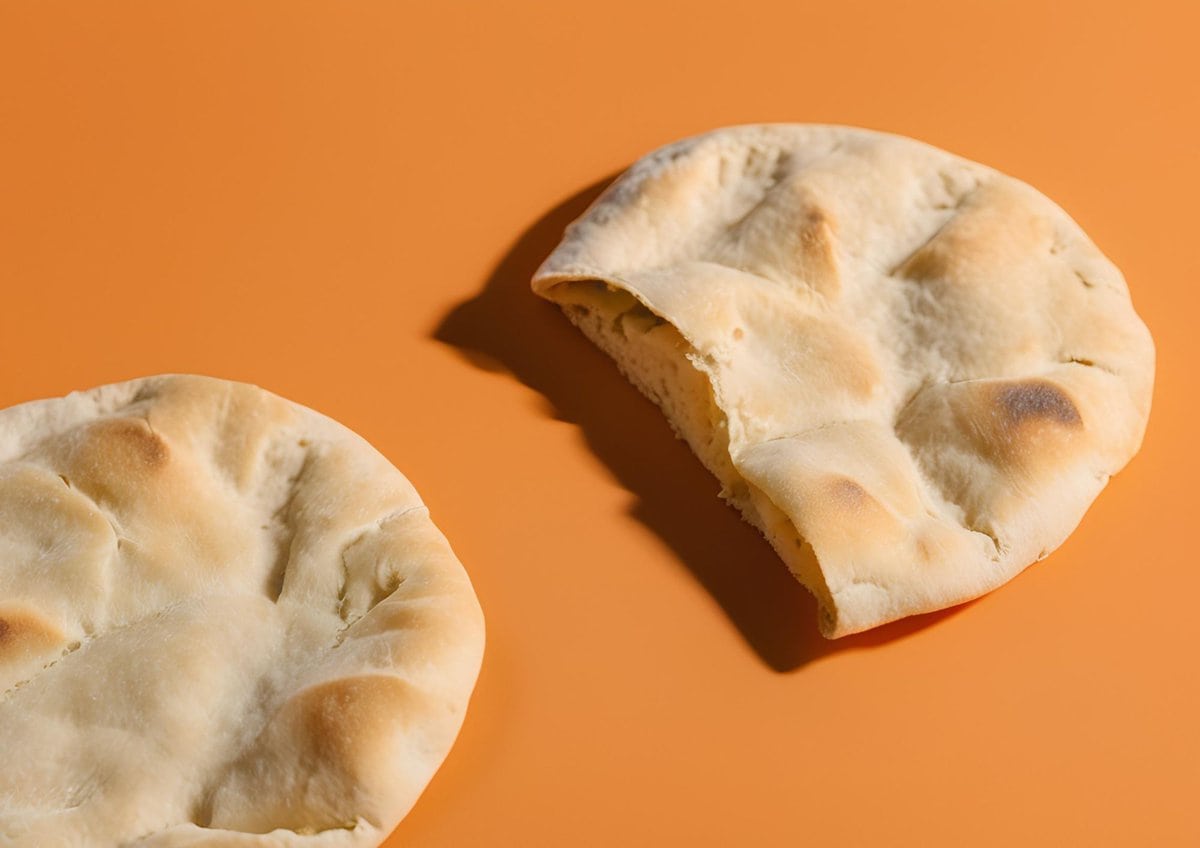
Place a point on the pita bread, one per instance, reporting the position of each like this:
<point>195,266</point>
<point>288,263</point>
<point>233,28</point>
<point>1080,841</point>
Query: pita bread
<point>224,620</point>
<point>918,366</point>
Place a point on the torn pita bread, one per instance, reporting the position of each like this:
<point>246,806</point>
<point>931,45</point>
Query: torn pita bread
<point>918,366</point>
<point>224,620</point>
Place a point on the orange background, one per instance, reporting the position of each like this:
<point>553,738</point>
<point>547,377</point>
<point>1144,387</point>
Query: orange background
<point>343,202</point>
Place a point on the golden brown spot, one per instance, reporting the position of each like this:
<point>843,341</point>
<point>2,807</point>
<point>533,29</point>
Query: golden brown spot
<point>990,227</point>
<point>847,494</point>
<point>127,443</point>
<point>1036,400</point>
<point>924,549</point>
<point>342,717</point>
<point>840,514</point>
<point>113,459</point>
<point>22,631</point>
<point>816,255</point>
<point>829,352</point>
<point>928,263</point>
<point>668,186</point>
<point>141,440</point>
<point>1018,424</point>
<point>817,229</point>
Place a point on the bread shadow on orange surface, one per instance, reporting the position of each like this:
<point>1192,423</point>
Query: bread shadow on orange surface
<point>506,328</point>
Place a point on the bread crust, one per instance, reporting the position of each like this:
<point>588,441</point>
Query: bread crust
<point>228,621</point>
<point>922,366</point>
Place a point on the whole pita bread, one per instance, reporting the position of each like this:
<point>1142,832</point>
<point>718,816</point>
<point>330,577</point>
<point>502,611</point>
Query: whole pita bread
<point>224,620</point>
<point>918,366</point>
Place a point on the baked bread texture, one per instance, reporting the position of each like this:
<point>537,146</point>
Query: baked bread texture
<point>916,365</point>
<point>225,620</point>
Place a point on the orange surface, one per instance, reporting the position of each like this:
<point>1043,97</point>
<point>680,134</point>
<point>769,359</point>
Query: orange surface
<point>343,202</point>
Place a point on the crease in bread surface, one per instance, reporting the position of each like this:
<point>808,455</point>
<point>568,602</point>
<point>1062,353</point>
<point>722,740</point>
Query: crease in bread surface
<point>225,619</point>
<point>916,365</point>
